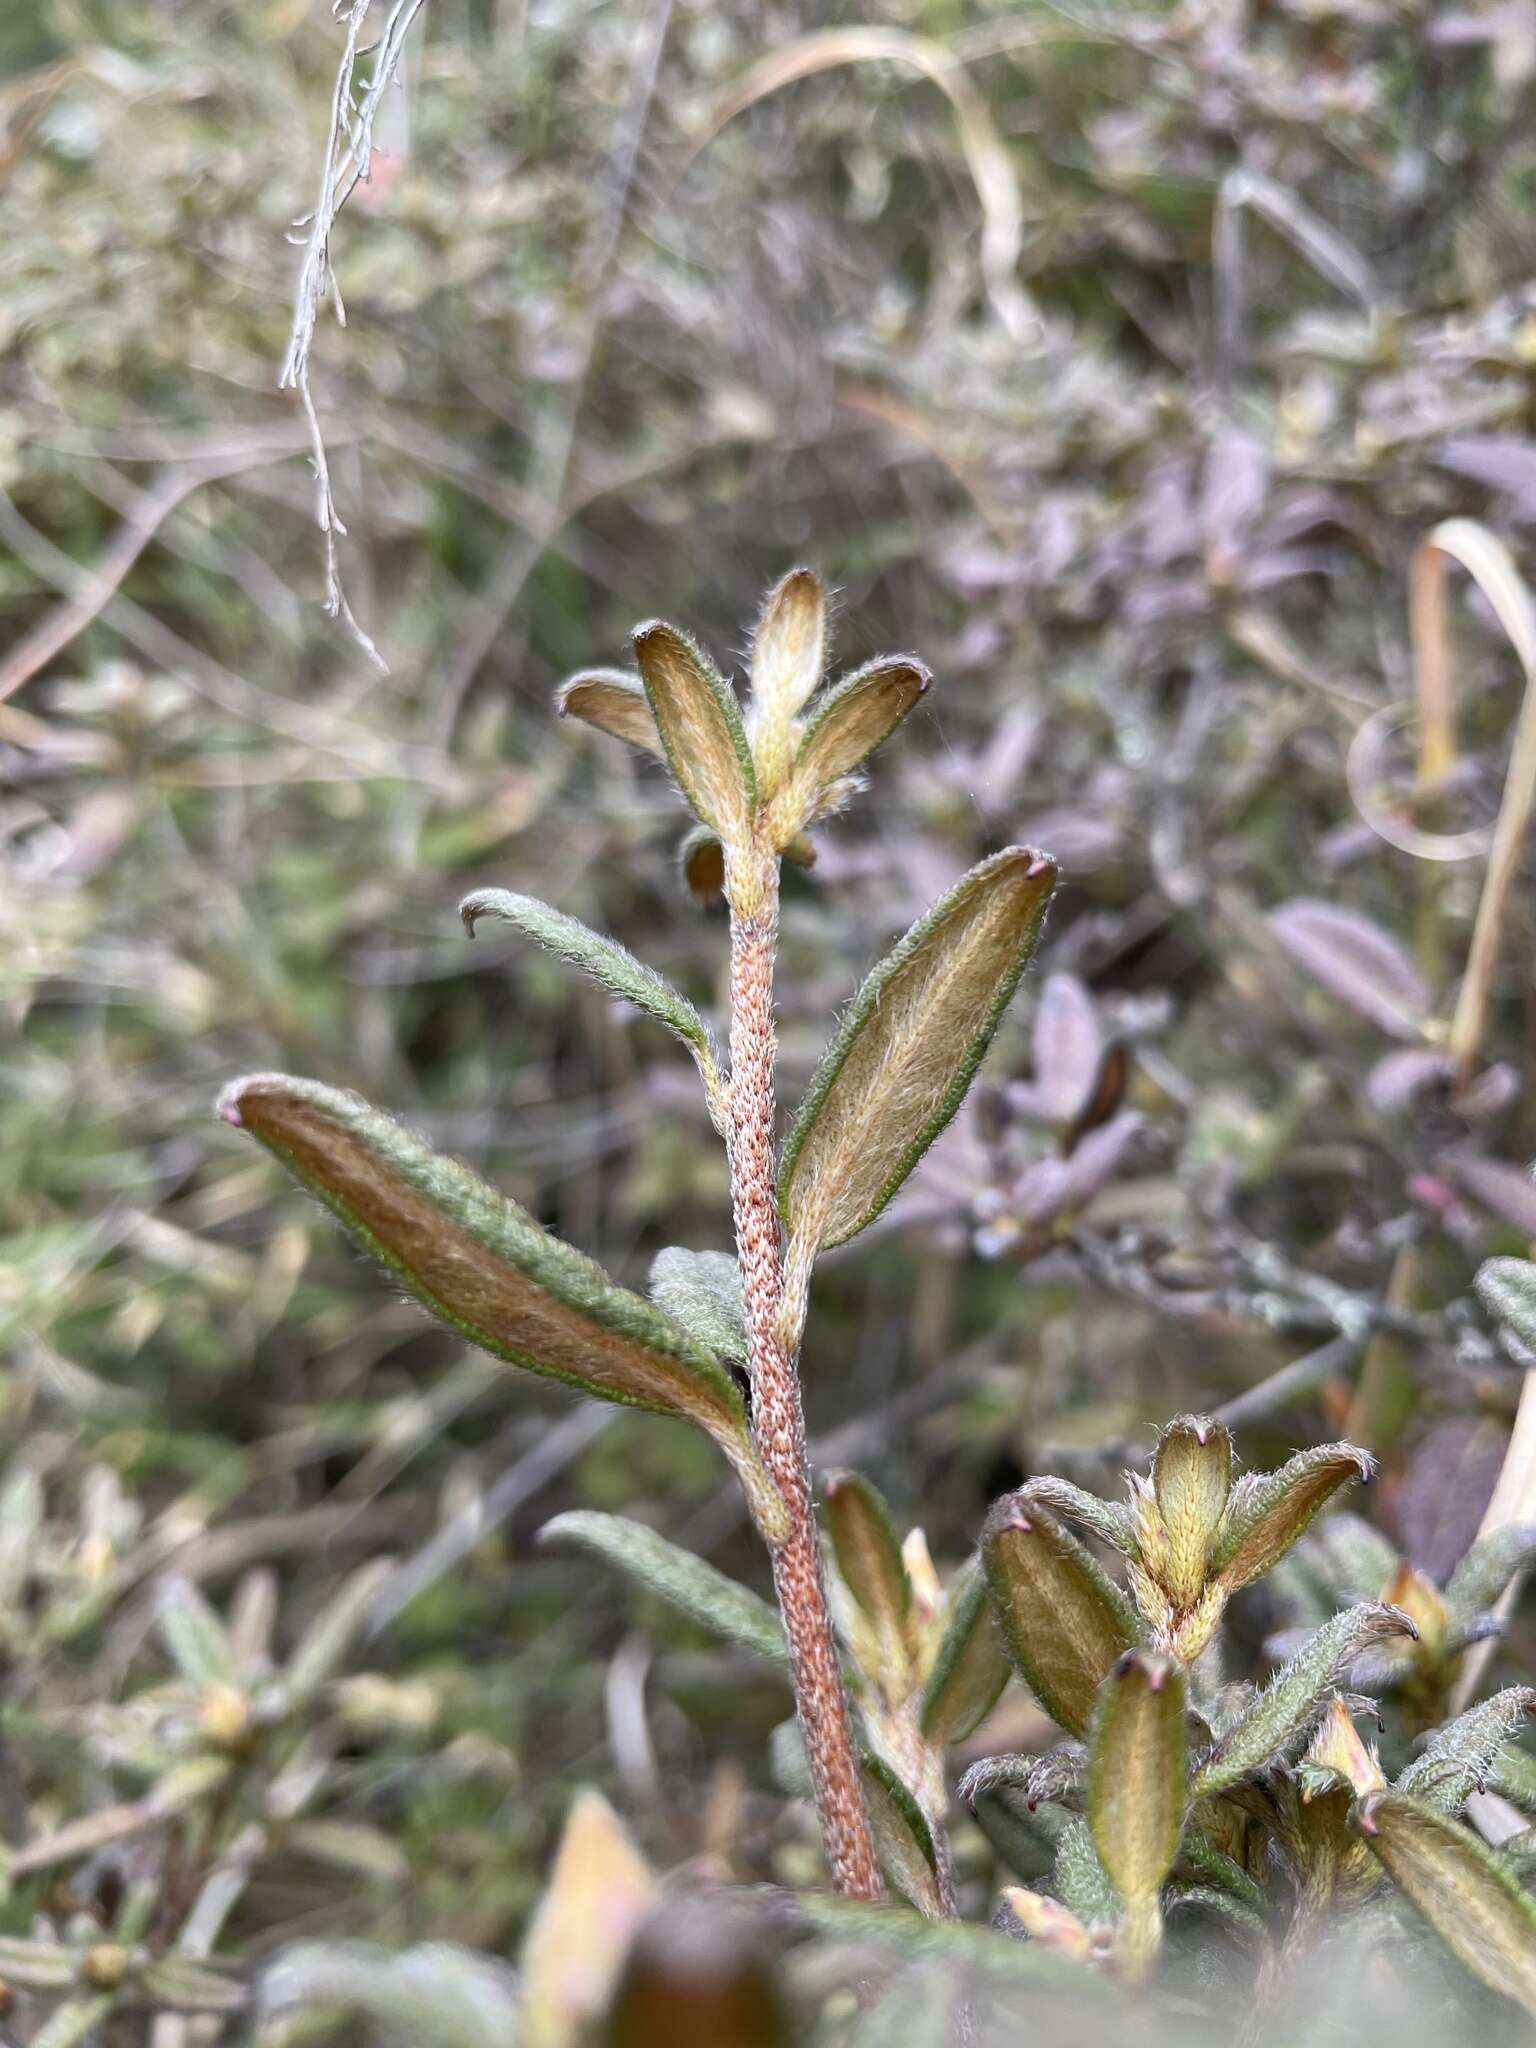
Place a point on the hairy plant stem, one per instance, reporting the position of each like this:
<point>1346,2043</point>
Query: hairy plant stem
<point>778,1424</point>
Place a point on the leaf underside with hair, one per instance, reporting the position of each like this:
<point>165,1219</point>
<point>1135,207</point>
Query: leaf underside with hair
<point>701,730</point>
<point>848,724</point>
<point>899,1067</point>
<point>684,1581</point>
<point>971,1666</point>
<point>484,1266</point>
<point>1064,1623</point>
<point>615,702</point>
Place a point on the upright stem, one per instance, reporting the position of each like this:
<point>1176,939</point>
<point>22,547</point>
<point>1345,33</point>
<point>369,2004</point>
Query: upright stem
<point>777,1422</point>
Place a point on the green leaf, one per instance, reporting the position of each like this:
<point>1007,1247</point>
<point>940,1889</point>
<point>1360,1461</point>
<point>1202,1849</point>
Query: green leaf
<point>1110,1520</point>
<point>1082,1883</point>
<point>686,1582</point>
<point>1459,1757</point>
<point>702,1292</point>
<point>1062,1621</point>
<point>612,966</point>
<point>488,1270</point>
<point>1191,1479</point>
<point>1024,1827</point>
<point>973,1949</point>
<point>903,1837</point>
<point>971,1666</point>
<point>194,1636</point>
<point>1488,1567</point>
<point>615,702</point>
<point>1508,1290</point>
<point>1268,1511</point>
<point>849,723</point>
<point>439,1992</point>
<point>1289,1704</point>
<point>900,1066</point>
<point>868,1550</point>
<point>1473,1903</point>
<point>1138,1772</point>
<point>701,730</point>
<point>326,1644</point>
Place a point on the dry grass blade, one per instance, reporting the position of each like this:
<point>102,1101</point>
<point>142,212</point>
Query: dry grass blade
<point>1002,211</point>
<point>900,1066</point>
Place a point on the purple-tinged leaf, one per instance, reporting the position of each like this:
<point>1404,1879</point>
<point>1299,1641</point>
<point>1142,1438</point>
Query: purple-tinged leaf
<point>1068,1047</point>
<point>1505,1191</point>
<point>1357,962</point>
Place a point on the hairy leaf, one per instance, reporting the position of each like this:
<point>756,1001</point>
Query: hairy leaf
<point>194,1636</point>
<point>1459,1757</point>
<point>487,1269</point>
<point>1062,1621</point>
<point>1269,1510</point>
<point>1191,1478</point>
<point>615,702</point>
<point>789,652</point>
<point>1110,1520</point>
<point>899,1067</point>
<point>849,723</point>
<point>701,729</point>
<point>868,1550</point>
<point>971,1667</point>
<point>609,964</point>
<point>1081,1880</point>
<point>1296,1694</point>
<point>702,1292</point>
<point>1508,1290</point>
<point>1138,1771</point>
<point>1473,1903</point>
<point>327,1642</point>
<point>902,1837</point>
<point>438,1992</point>
<point>686,1582</point>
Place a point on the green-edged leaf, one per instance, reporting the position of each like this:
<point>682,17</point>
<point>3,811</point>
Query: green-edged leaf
<point>848,724</point>
<point>789,652</point>
<point>903,1838</point>
<point>488,1270</point>
<point>1110,1520</point>
<point>439,1992</point>
<point>1458,1759</point>
<point>326,1644</point>
<point>1269,1510</point>
<point>686,1582</point>
<point>973,1949</point>
<point>1508,1290</point>
<point>1473,1903</point>
<point>608,963</point>
<point>868,1550</point>
<point>1063,1623</point>
<point>194,1636</point>
<point>1138,1771</point>
<point>1488,1567</point>
<point>1191,1479</point>
<point>1287,1707</point>
<point>700,726</point>
<point>702,1292</point>
<point>899,1067</point>
<point>971,1667</point>
<point>615,702</point>
<point>1082,1882</point>
<point>1514,1777</point>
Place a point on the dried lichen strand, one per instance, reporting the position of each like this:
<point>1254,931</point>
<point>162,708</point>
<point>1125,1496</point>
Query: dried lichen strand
<point>777,1422</point>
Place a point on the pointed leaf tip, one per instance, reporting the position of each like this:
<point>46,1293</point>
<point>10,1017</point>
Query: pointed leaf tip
<point>700,725</point>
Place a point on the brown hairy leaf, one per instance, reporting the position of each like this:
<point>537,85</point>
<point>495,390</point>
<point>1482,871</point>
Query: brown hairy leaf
<point>899,1068</point>
<point>701,730</point>
<point>1062,1620</point>
<point>615,702</point>
<point>486,1268</point>
<point>850,723</point>
<point>789,652</point>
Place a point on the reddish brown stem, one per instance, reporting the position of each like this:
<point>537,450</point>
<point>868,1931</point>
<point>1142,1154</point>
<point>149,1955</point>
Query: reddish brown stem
<point>777,1422</point>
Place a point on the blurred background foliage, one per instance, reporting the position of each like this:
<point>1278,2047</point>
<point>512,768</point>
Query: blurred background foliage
<point>1114,358</point>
